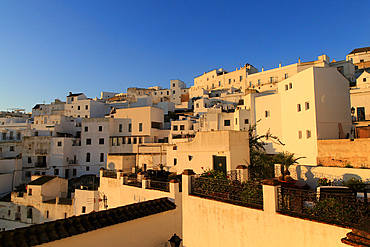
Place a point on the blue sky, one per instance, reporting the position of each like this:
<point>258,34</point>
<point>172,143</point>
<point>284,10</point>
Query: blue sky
<point>49,48</point>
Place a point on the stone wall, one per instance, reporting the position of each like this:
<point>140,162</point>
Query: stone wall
<point>344,152</point>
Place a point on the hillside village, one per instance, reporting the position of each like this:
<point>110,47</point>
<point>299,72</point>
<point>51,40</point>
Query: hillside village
<point>146,162</point>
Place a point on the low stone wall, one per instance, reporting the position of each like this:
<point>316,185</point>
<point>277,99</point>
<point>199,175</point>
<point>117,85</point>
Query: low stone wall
<point>344,152</point>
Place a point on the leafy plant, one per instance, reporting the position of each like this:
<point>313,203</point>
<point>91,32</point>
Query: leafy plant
<point>286,159</point>
<point>354,183</point>
<point>324,182</point>
<point>210,173</point>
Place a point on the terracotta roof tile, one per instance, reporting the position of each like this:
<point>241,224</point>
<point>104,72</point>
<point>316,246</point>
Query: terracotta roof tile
<point>55,230</point>
<point>358,50</point>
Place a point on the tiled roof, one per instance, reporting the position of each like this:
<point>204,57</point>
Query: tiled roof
<point>42,180</point>
<point>358,50</point>
<point>55,230</point>
<point>74,94</point>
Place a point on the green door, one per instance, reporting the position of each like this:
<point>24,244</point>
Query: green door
<point>219,163</point>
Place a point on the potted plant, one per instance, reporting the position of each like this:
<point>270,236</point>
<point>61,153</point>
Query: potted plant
<point>286,159</point>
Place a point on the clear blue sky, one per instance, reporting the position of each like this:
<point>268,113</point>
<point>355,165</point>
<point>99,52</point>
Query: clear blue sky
<point>48,47</point>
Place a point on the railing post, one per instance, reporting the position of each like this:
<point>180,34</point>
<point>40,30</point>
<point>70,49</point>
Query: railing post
<point>174,188</point>
<point>125,178</point>
<point>102,171</point>
<point>119,174</point>
<point>187,174</point>
<point>270,195</point>
<point>242,171</point>
<point>145,183</point>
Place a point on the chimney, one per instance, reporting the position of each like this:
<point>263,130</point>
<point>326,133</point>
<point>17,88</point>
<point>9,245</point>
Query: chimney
<point>70,93</point>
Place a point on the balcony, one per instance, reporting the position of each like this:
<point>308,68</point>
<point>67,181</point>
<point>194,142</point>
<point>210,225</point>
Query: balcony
<point>73,162</point>
<point>41,151</point>
<point>40,164</point>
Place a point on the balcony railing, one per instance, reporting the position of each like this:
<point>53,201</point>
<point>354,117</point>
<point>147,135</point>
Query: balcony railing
<point>110,174</point>
<point>41,151</point>
<point>73,162</point>
<point>338,208</point>
<point>235,192</point>
<point>159,185</point>
<point>40,164</point>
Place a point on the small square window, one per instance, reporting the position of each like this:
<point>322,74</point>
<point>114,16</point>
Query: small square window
<point>175,127</point>
<point>101,141</point>
<point>299,134</point>
<point>87,168</point>
<point>28,174</point>
<point>100,128</point>
<point>246,121</point>
<point>59,144</point>
<point>88,141</point>
<point>364,79</point>
<point>86,128</point>
<point>267,113</point>
<point>182,127</point>
<point>308,134</point>
<point>56,172</point>
<point>11,149</point>
<point>227,122</point>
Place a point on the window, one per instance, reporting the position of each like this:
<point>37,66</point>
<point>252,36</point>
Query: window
<point>250,84</point>
<point>86,128</point>
<point>30,192</point>
<point>286,76</point>
<point>364,79</point>
<point>65,215</point>
<point>9,212</point>
<point>173,92</point>
<point>129,127</point>
<point>299,107</point>
<point>135,140</point>
<point>173,84</point>
<point>140,140</point>
<point>87,157</point>
<point>307,105</point>
<point>236,121</point>
<point>11,148</point>
<point>47,214</point>
<point>120,128</point>
<point>182,127</point>
<point>308,134</point>
<point>259,82</point>
<point>56,172</point>
<point>100,128</point>
<point>101,157</point>
<point>229,81</point>
<point>28,174</point>
<point>174,161</point>
<point>29,213</point>
<point>267,113</point>
<point>87,168</point>
<point>290,85</point>
<point>246,121</point>
<point>78,108</point>
<point>29,160</point>
<point>86,107</point>
<point>86,116</point>
<point>78,115</point>
<point>175,127</point>
<point>299,134</point>
<point>240,78</point>
<point>59,144</point>
<point>83,209</point>
<point>128,140</point>
<point>140,126</point>
<point>88,141</point>
<point>219,83</point>
<point>197,105</point>
<point>74,172</point>
<point>101,141</point>
<point>227,122</point>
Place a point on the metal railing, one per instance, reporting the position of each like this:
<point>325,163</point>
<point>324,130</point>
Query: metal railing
<point>343,209</point>
<point>41,151</point>
<point>110,174</point>
<point>241,193</point>
<point>73,162</point>
<point>133,181</point>
<point>40,164</point>
<point>159,185</point>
